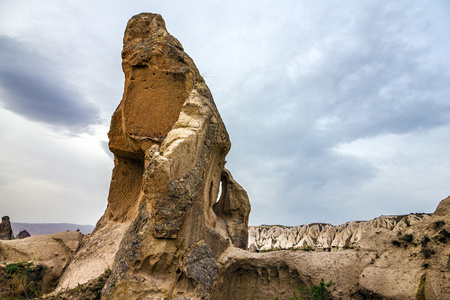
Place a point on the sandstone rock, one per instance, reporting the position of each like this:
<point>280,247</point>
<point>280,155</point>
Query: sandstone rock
<point>6,232</point>
<point>54,250</point>
<point>163,231</point>
<point>443,208</point>
<point>23,234</point>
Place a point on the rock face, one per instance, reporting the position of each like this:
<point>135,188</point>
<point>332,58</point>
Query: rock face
<point>391,261</point>
<point>163,229</point>
<point>6,232</point>
<point>325,237</point>
<point>54,251</point>
<point>23,234</point>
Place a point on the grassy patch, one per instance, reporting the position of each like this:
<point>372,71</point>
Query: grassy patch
<point>313,292</point>
<point>89,290</point>
<point>22,281</point>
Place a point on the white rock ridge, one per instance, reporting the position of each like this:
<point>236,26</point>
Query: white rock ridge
<point>326,237</point>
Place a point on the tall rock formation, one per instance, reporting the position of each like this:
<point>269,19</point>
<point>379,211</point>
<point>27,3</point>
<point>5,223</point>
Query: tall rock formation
<point>163,229</point>
<point>167,234</point>
<point>6,232</point>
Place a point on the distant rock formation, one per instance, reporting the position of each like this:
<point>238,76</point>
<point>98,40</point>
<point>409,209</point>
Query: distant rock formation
<point>164,230</point>
<point>50,228</point>
<point>23,234</point>
<point>325,237</point>
<point>6,232</point>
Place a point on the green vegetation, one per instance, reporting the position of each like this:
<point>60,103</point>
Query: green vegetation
<point>89,290</point>
<point>312,292</point>
<point>22,281</point>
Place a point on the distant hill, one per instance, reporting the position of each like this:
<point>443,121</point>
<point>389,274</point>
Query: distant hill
<point>49,228</point>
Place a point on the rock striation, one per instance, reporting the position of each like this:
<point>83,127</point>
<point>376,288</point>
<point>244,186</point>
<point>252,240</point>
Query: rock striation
<point>6,232</point>
<point>322,236</point>
<point>165,225</point>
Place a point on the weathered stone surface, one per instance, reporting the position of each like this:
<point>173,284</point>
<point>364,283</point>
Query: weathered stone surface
<point>234,207</point>
<point>23,234</point>
<point>199,264</point>
<point>169,143</point>
<point>6,232</point>
<point>54,250</point>
<point>443,208</point>
<point>325,236</point>
<point>406,257</point>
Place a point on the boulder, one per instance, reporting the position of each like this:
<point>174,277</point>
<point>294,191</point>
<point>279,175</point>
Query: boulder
<point>22,234</point>
<point>6,232</point>
<point>165,225</point>
<point>54,251</point>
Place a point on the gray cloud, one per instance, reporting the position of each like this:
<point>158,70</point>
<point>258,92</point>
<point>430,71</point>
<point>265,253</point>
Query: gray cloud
<point>368,71</point>
<point>32,87</point>
<point>293,82</point>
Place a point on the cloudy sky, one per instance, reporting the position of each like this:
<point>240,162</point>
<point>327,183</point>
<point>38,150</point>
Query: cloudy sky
<point>337,110</point>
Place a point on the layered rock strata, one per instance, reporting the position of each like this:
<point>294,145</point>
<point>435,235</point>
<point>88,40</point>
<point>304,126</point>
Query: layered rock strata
<point>326,237</point>
<point>165,225</point>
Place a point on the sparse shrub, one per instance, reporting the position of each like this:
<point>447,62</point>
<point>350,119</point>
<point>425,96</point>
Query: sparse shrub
<point>313,292</point>
<point>396,243</point>
<point>407,238</point>
<point>428,252</point>
<point>425,240</point>
<point>306,248</point>
<point>425,265</point>
<point>89,290</point>
<point>438,224</point>
<point>443,236</point>
<point>12,268</point>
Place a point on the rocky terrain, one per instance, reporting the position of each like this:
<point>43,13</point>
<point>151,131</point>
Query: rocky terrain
<point>164,234</point>
<point>326,237</point>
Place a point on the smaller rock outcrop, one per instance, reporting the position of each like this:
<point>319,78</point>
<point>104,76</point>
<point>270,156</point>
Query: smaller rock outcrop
<point>6,232</point>
<point>54,251</point>
<point>23,234</point>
